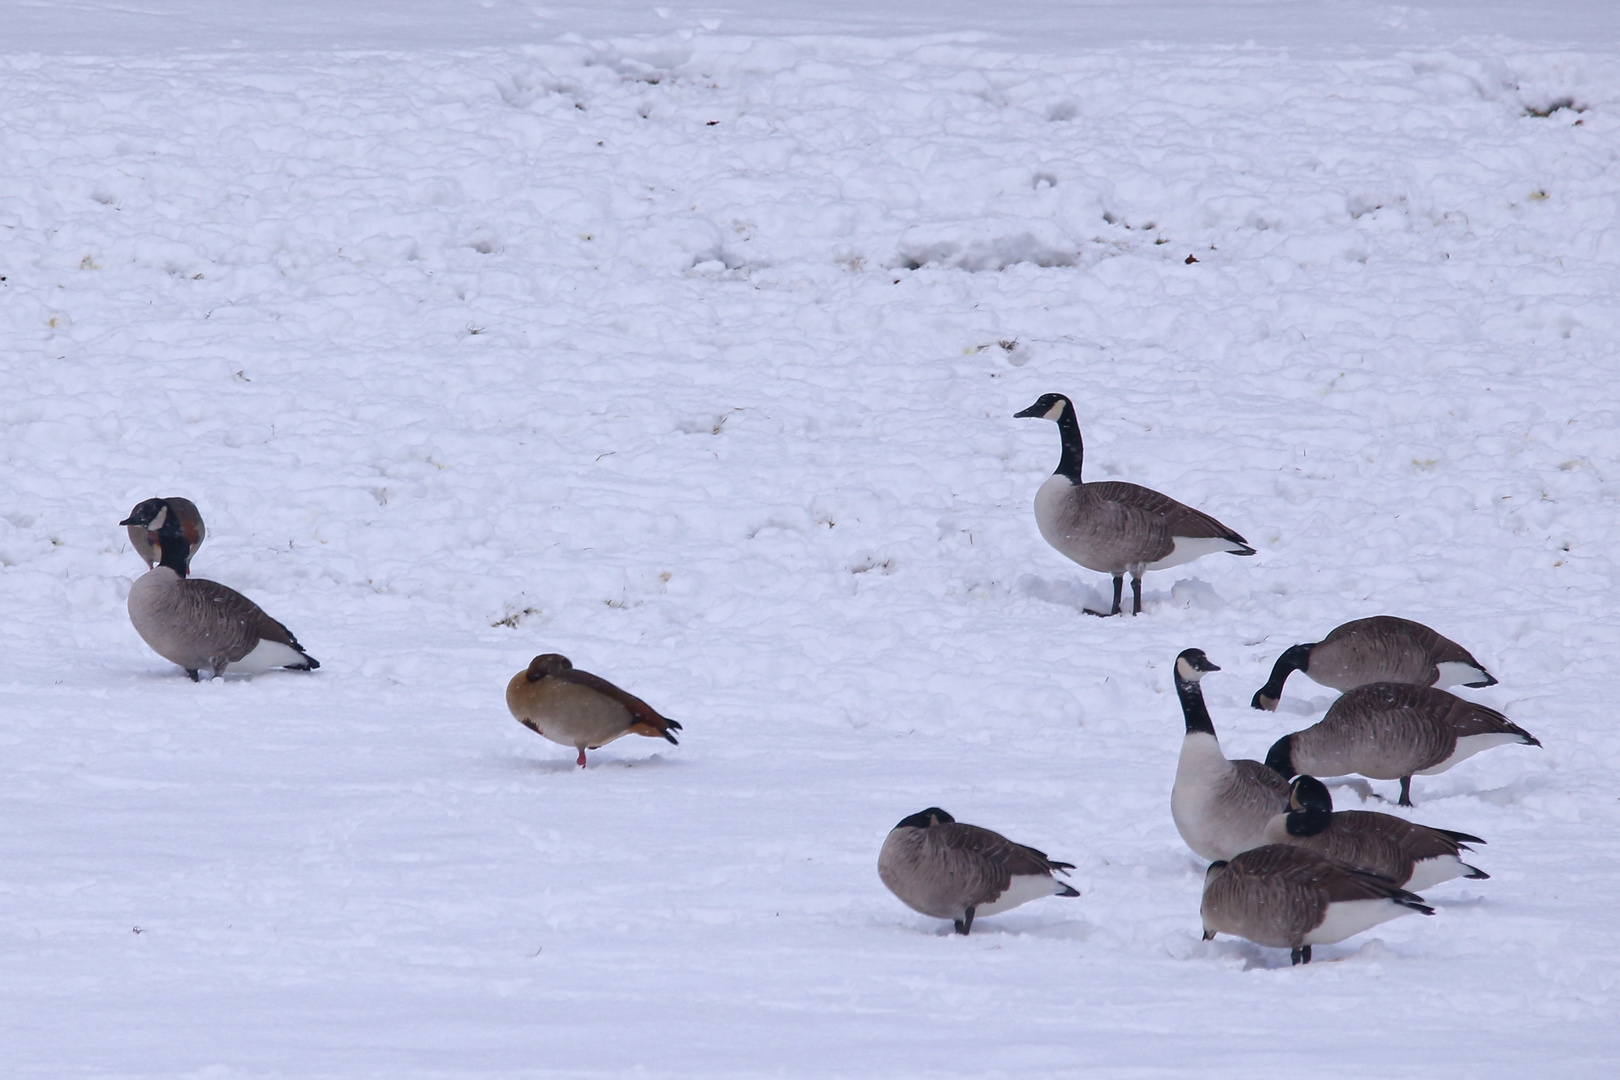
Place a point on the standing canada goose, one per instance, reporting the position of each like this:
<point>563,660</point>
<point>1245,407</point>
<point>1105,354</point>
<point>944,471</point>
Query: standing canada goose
<point>1221,807</point>
<point>1290,898</point>
<point>1412,856</point>
<point>1114,527</point>
<point>553,698</point>
<point>1391,731</point>
<point>202,624</point>
<point>940,867</point>
<point>144,538</point>
<point>1380,649</point>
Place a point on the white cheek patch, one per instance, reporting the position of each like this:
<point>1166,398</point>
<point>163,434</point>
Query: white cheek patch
<point>1185,670</point>
<point>157,522</point>
<point>1055,412</point>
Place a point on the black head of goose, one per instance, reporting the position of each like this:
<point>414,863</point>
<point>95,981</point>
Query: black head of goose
<point>1220,807</point>
<point>1114,527</point>
<point>556,700</point>
<point>1390,731</point>
<point>940,867</point>
<point>202,624</point>
<point>1412,856</point>
<point>143,538</point>
<point>1383,648</point>
<point>1289,898</point>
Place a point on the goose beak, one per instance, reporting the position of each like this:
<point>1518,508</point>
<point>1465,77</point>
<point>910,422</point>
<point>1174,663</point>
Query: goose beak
<point>1033,410</point>
<point>131,521</point>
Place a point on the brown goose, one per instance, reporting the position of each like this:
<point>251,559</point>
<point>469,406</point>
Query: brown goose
<point>1391,731</point>
<point>1412,856</point>
<point>202,624</point>
<point>940,867</point>
<point>553,698</point>
<point>1220,807</point>
<point>1380,649</point>
<point>145,540</point>
<point>1114,527</point>
<point>1290,898</point>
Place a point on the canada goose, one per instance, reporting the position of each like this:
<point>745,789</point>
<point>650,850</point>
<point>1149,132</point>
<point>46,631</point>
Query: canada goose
<point>202,624</point>
<point>1394,730</point>
<point>553,698</point>
<point>1114,527</point>
<point>1221,807</point>
<point>144,538</point>
<point>1380,649</point>
<point>1290,898</point>
<point>1412,856</point>
<point>940,867</point>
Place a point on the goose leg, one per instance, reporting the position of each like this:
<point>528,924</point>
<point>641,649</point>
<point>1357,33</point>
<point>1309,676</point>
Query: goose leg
<point>1136,595</point>
<point>581,761</point>
<point>1302,955</point>
<point>1119,589</point>
<point>1406,792</point>
<point>194,676</point>
<point>963,925</point>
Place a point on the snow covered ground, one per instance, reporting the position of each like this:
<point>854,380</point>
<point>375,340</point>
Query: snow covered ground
<point>691,352</point>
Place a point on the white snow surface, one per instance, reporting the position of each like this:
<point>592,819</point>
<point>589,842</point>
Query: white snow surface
<point>691,352</point>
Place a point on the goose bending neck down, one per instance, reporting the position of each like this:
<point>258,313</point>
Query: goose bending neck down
<point>1412,856</point>
<point>941,867</point>
<point>1115,527</point>
<point>1389,731</point>
<point>1290,898</point>
<point>198,623</point>
<point>1383,648</point>
<point>1220,807</point>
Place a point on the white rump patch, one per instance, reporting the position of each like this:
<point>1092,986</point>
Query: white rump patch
<point>1350,917</point>
<point>1457,673</point>
<point>1468,746</point>
<point>1021,890</point>
<point>1433,871</point>
<point>1188,548</point>
<point>267,655</point>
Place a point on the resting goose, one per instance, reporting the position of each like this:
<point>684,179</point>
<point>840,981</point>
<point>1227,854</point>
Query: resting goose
<point>553,698</point>
<point>1114,527</point>
<point>144,538</point>
<point>202,624</point>
<point>940,867</point>
<point>1290,898</point>
<point>1380,649</point>
<point>1412,856</point>
<point>1220,807</point>
<point>1390,731</point>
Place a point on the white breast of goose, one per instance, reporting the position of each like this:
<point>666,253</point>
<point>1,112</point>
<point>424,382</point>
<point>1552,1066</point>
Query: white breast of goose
<point>1198,800</point>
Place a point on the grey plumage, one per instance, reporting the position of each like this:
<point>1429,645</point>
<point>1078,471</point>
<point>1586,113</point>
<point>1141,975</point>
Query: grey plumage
<point>1115,527</point>
<point>202,624</point>
<point>949,870</point>
<point>1290,898</point>
<point>1390,731</point>
<point>1380,649</point>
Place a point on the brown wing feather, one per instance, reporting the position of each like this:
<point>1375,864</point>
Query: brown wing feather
<point>648,720</point>
<point>241,622</point>
<point>1177,519</point>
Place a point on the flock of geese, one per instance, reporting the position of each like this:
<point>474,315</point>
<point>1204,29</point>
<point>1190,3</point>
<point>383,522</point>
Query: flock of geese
<point>1286,870</point>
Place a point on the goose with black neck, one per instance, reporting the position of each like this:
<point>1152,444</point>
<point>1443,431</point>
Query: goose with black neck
<point>198,623</point>
<point>1115,527</point>
<point>1220,807</point>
